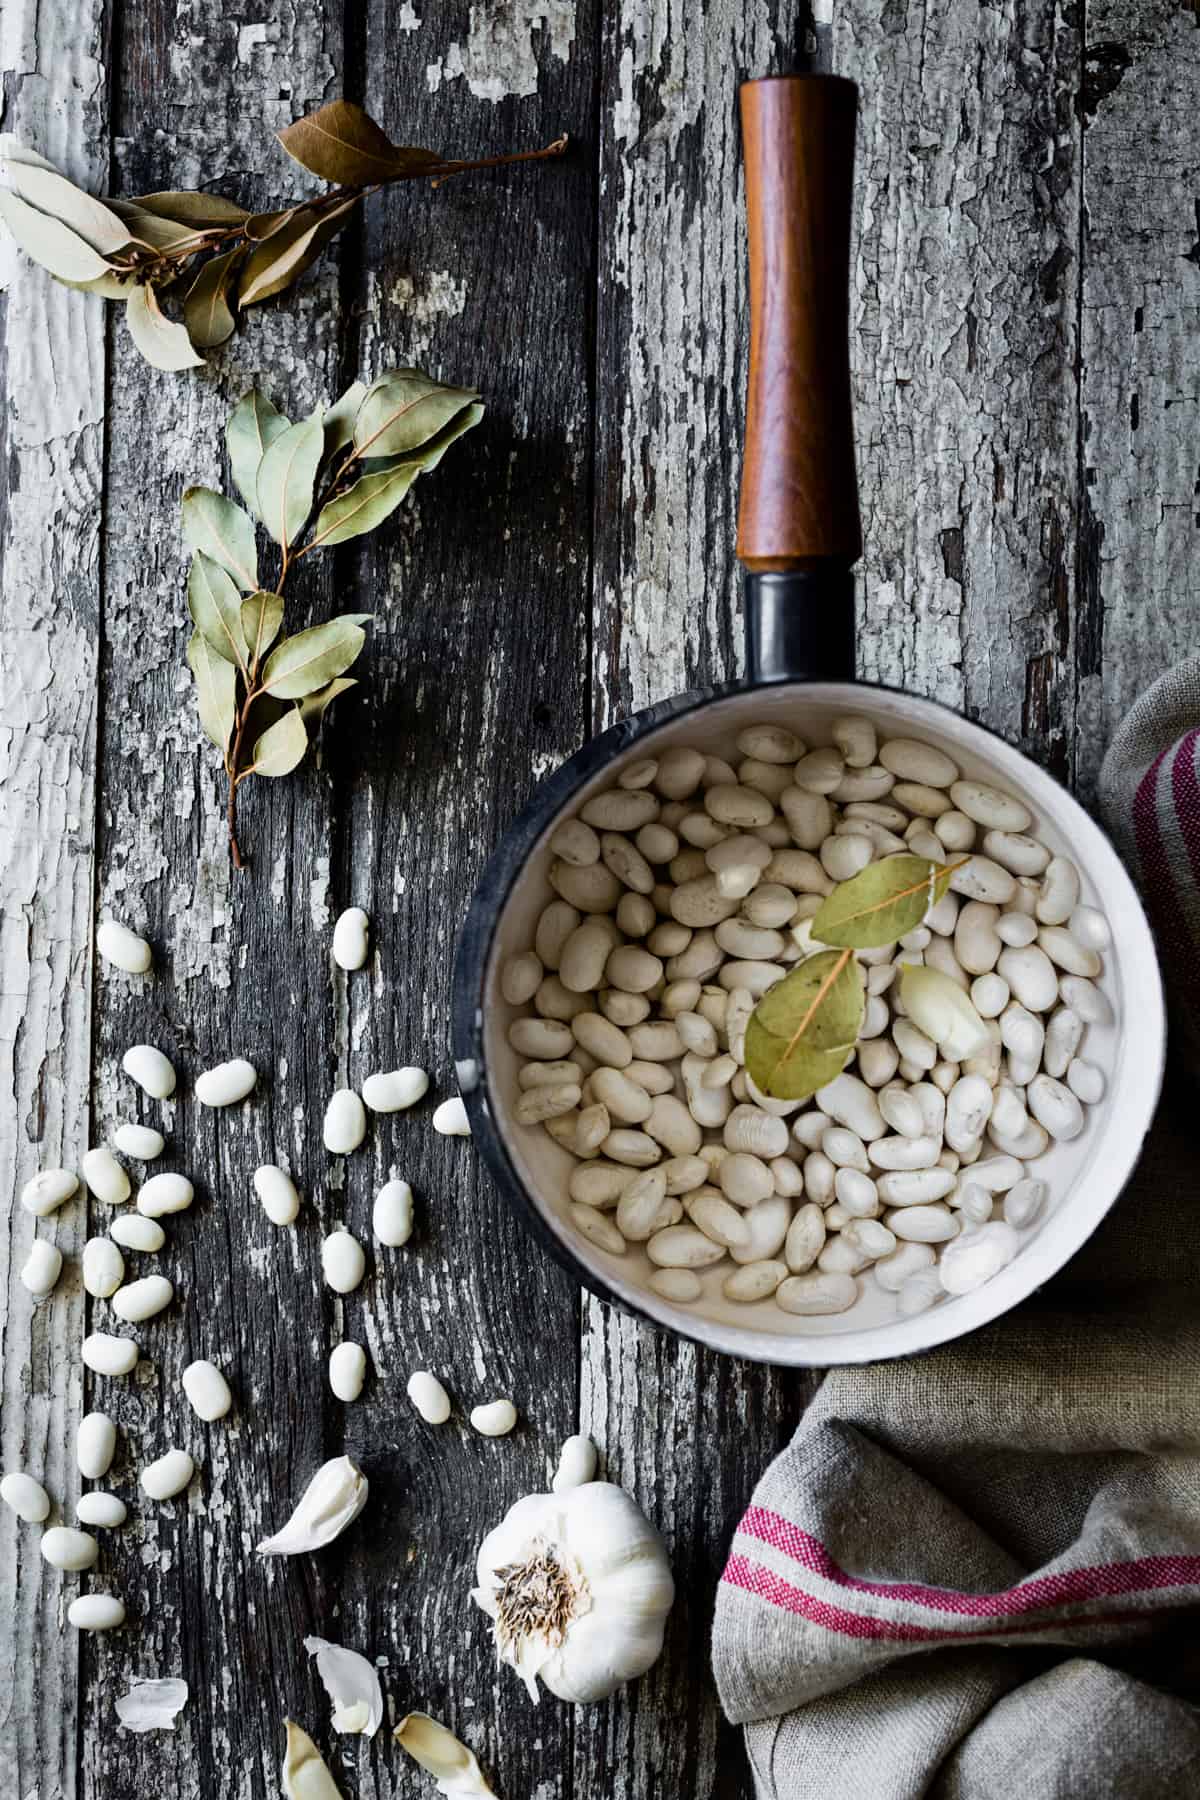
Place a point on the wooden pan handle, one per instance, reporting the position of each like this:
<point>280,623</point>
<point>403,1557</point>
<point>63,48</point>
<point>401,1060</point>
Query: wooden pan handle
<point>799,490</point>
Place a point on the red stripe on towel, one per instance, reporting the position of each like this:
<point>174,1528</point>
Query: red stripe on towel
<point>1070,1587</point>
<point>1160,890</point>
<point>764,1584</point>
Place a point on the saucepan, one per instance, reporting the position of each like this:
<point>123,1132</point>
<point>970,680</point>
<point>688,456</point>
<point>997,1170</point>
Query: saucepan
<point>798,540</point>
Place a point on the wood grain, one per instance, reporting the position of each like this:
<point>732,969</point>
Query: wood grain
<point>1024,301</point>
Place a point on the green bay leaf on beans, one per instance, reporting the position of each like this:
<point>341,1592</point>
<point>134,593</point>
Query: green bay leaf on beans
<point>803,1030</point>
<point>253,426</point>
<point>223,531</point>
<point>164,343</point>
<point>216,608</point>
<point>286,474</point>
<point>303,663</point>
<point>216,690</point>
<point>281,746</point>
<point>262,615</point>
<point>881,903</point>
<point>403,410</point>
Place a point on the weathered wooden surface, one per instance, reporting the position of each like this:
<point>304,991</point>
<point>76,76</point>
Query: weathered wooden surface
<point>1025,298</point>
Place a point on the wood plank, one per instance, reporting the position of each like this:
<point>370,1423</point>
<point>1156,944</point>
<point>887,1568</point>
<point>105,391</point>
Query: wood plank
<point>1139,317</point>
<point>964,332</point>
<point>686,1431</point>
<point>243,969</point>
<point>51,441</point>
<point>475,685</point>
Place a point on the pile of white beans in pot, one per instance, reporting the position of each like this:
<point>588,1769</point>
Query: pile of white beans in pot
<point>681,895</point>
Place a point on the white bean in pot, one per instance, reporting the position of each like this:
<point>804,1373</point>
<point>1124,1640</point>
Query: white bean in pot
<point>814,1295</point>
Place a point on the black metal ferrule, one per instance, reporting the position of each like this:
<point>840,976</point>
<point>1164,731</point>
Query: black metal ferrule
<point>800,624</point>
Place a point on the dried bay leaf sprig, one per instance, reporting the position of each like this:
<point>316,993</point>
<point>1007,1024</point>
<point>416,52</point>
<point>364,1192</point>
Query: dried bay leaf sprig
<point>805,1029</point>
<point>311,485</point>
<point>208,256</point>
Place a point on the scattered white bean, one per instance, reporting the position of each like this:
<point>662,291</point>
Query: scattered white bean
<point>48,1190</point>
<point>119,945</point>
<point>345,1124</point>
<point>207,1390</point>
<point>108,1355</point>
<point>106,1180</point>
<point>228,1083</point>
<point>135,1232</point>
<point>162,1194</point>
<point>347,1370</point>
<point>450,1118</point>
<point>42,1268</point>
<point>141,1142</point>
<point>429,1397</point>
<point>167,1475</point>
<point>96,1612</point>
<point>66,1548</point>
<point>27,1497</point>
<point>350,938</point>
<point>277,1192</point>
<point>99,1508</point>
<point>395,1090</point>
<point>495,1419</point>
<point>142,1299</point>
<point>392,1214</point>
<point>102,1267</point>
<point>95,1445</point>
<point>343,1262</point>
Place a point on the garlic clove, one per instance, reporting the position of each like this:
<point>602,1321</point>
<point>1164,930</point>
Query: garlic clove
<point>452,1765</point>
<point>305,1776</point>
<point>332,1500</point>
<point>152,1705</point>
<point>351,1683</point>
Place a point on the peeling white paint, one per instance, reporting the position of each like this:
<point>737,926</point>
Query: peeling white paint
<point>500,56</point>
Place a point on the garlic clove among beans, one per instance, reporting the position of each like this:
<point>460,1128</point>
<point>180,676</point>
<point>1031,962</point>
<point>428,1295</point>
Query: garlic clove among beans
<point>332,1500</point>
<point>305,1776</point>
<point>578,1587</point>
<point>352,1684</point>
<point>453,1766</point>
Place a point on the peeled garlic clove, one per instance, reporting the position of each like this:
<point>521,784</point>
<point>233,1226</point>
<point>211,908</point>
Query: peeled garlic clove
<point>451,1764</point>
<point>305,1776</point>
<point>450,1119</point>
<point>938,1007</point>
<point>332,1500</point>
<point>152,1705</point>
<point>351,1683</point>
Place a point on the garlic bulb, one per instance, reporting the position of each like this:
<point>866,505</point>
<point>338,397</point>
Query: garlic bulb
<point>579,1588</point>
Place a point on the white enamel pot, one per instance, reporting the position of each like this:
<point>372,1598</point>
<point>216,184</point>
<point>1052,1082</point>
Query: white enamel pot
<point>798,539</point>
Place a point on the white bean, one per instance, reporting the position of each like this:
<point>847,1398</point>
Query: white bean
<point>996,1174</point>
<point>554,927</point>
<point>143,1299</point>
<point>1059,893</point>
<point>99,1508</point>
<point>844,857</point>
<point>990,994</point>
<point>922,801</point>
<point>65,1548</point>
<point>909,760</point>
<point>976,943</point>
<point>1024,1202</point>
<point>978,1255</point>
<point>844,1148</point>
<point>96,1612</point>
<point>919,1292</point>
<point>968,1109</point>
<point>167,1475</point>
<point>748,1129</point>
<point>754,1281</point>
<point>102,1267</point>
<point>347,1371</point>
<point>1090,928</point>
<point>450,1119</point>
<point>805,1238</point>
<point>620,809</point>
<point>429,1397</point>
<point>979,878</point>
<point>395,1090</point>
<point>902,1112</point>
<point>343,1262</point>
<point>27,1497</point>
<point>1090,1002</point>
<point>813,1295</point>
<point>108,1355</point>
<point>990,806</point>
<point>392,1214</point>
<point>350,938</point>
<point>522,974</point>
<point>676,1284</point>
<point>1055,1108</point>
<point>933,1224</point>
<point>893,1270</point>
<point>1062,949</point>
<point>915,1187</point>
<point>162,1194</point>
<point>852,1104</point>
<point>141,1142</point>
<point>228,1083</point>
<point>596,1228</point>
<point>683,1247</point>
<point>495,1419</point>
<point>626,862</point>
<point>1016,929</point>
<point>1086,1081</point>
<point>973,1203</point>
<point>745,1179</point>
<point>1015,851</point>
<point>857,1194</point>
<point>42,1268</point>
<point>767,1225</point>
<point>135,1232</point>
<point>855,738</point>
<point>820,1173</point>
<point>95,1445</point>
<point>119,945</point>
<point>46,1191</point>
<point>277,1192</point>
<point>869,1238</point>
<point>345,1123</point>
<point>819,772</point>
<point>105,1178</point>
<point>207,1390</point>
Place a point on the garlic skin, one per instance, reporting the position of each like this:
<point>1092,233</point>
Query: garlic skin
<point>152,1705</point>
<point>352,1684</point>
<point>578,1587</point>
<point>332,1500</point>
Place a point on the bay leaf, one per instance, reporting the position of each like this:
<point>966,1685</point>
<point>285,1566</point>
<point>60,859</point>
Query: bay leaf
<point>881,902</point>
<point>109,287</point>
<point>223,531</point>
<point>200,211</point>
<point>284,485</point>
<point>343,145</point>
<point>253,426</point>
<point>164,343</point>
<point>151,228</point>
<point>801,1022</point>
<point>206,310</point>
<point>281,745</point>
<point>303,663</point>
<point>260,226</point>
<point>216,690</point>
<point>405,409</point>
<point>340,417</point>
<point>53,194</point>
<point>49,242</point>
<point>216,609</point>
<point>262,615</point>
<point>285,255</point>
<point>313,707</point>
<point>431,454</point>
<point>364,505</point>
<point>12,150</point>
